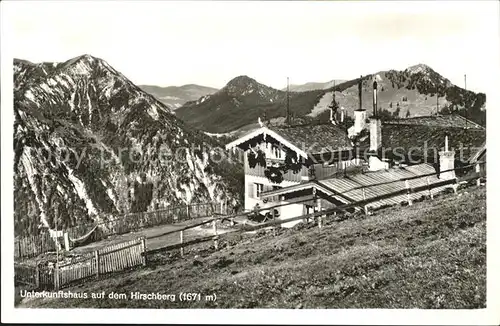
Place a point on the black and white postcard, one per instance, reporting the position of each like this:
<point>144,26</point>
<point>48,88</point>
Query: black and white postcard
<point>250,161</point>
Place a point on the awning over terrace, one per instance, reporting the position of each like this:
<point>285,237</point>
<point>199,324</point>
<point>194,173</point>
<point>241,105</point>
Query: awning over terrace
<point>371,185</point>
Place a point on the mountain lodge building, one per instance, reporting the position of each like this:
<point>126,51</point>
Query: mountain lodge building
<point>321,166</point>
<point>288,156</point>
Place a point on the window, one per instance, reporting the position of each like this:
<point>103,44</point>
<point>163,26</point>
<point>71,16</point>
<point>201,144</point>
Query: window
<point>277,152</point>
<point>259,188</point>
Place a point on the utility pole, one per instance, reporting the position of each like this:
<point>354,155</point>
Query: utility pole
<point>334,89</point>
<point>334,101</point>
<point>360,92</point>
<point>437,100</point>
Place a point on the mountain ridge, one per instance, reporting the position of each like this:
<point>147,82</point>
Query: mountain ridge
<point>311,86</point>
<point>88,145</point>
<point>416,91</point>
<point>176,96</point>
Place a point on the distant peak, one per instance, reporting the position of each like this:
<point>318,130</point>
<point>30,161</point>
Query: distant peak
<point>421,67</point>
<point>241,80</point>
<point>241,85</point>
<point>244,85</point>
<point>87,58</point>
<point>87,63</point>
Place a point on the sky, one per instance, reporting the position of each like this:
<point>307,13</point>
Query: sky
<point>209,43</point>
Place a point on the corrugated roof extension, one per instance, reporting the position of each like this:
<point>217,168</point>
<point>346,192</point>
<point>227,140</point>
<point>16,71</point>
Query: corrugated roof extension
<point>375,184</point>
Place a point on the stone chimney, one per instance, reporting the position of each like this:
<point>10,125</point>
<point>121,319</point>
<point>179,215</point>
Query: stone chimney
<point>359,121</point>
<point>446,162</point>
<point>375,134</point>
<point>375,124</point>
<point>360,113</point>
<point>332,120</point>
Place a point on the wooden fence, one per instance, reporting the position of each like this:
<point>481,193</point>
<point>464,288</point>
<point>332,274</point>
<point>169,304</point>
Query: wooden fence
<point>32,246</point>
<point>108,260</point>
<point>26,275</point>
<point>135,221</point>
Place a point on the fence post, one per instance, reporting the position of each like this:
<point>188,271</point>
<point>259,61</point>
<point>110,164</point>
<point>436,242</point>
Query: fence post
<point>408,196</point>
<point>143,249</point>
<point>429,187</point>
<point>175,213</point>
<point>187,211</point>
<point>66,241</point>
<point>274,218</point>
<point>318,203</point>
<point>182,241</point>
<point>97,263</point>
<point>19,248</point>
<point>37,277</point>
<point>364,199</point>
<point>478,171</point>
<point>216,240</point>
<point>56,277</point>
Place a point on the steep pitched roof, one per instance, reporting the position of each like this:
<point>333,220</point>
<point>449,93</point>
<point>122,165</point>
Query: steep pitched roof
<point>315,139</point>
<point>306,140</point>
<point>428,140</point>
<point>449,120</point>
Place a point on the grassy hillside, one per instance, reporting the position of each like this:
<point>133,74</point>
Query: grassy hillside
<point>429,255</point>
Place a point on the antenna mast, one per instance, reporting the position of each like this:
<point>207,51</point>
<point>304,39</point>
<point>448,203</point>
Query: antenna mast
<point>466,97</point>
<point>334,102</point>
<point>333,106</point>
<point>288,101</point>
